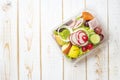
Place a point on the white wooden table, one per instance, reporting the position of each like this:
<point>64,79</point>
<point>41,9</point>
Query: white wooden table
<point>27,52</point>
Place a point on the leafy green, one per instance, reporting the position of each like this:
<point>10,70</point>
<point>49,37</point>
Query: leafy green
<point>78,18</point>
<point>65,33</point>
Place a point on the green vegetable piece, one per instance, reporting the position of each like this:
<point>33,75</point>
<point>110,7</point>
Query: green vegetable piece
<point>95,39</point>
<point>78,18</point>
<point>64,34</point>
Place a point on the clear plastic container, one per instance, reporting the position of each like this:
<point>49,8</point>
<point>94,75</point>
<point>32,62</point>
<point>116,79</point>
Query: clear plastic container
<point>79,36</point>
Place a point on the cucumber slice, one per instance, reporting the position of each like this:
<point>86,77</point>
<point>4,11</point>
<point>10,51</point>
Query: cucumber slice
<point>95,39</point>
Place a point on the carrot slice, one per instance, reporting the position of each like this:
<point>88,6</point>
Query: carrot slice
<point>87,16</point>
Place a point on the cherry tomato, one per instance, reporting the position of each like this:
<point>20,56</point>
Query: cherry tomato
<point>85,38</point>
<point>90,46</point>
<point>84,48</point>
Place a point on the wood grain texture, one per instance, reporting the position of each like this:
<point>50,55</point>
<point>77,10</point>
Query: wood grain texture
<point>8,42</point>
<point>114,42</point>
<point>29,40</point>
<point>28,52</point>
<point>51,16</point>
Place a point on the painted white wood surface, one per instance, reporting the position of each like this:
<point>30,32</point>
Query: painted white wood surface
<point>29,39</point>
<point>8,40</point>
<point>114,43</point>
<point>27,51</point>
<point>51,15</point>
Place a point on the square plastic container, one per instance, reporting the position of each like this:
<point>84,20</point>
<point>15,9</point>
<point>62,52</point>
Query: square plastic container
<point>79,36</point>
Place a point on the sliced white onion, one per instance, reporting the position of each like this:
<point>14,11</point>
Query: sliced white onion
<point>80,38</point>
<point>74,38</point>
<point>84,44</point>
<point>71,39</point>
<point>78,23</point>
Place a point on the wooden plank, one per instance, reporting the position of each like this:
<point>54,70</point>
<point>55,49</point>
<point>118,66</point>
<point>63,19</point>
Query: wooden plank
<point>71,8</point>
<point>8,40</point>
<point>114,42</point>
<point>51,16</point>
<point>97,65</point>
<point>29,39</point>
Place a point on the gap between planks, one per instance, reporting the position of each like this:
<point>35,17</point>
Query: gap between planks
<point>40,45</point>
<point>18,38</point>
<point>108,35</point>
